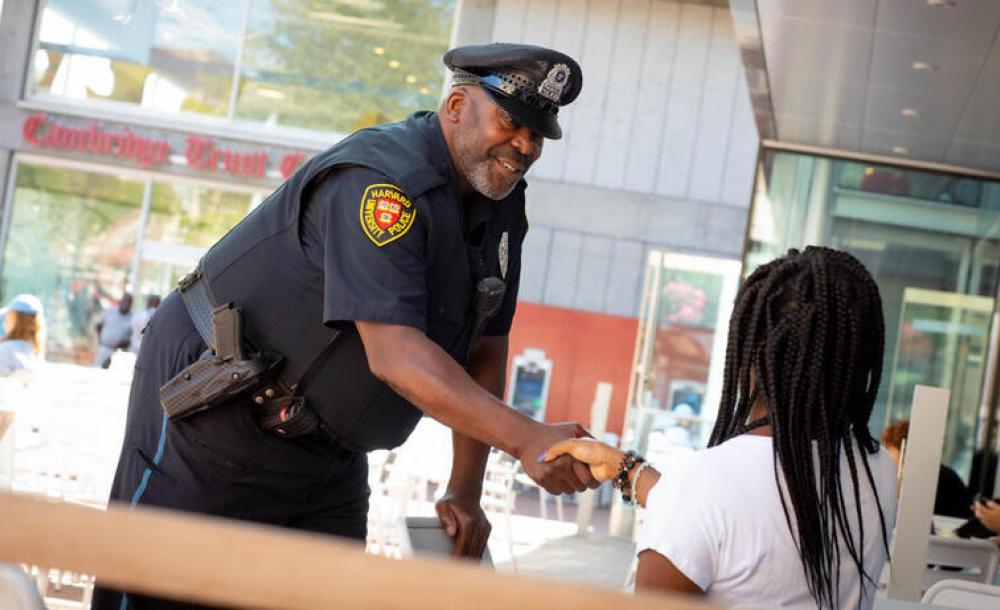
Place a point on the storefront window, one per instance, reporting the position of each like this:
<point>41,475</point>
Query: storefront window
<point>75,239</point>
<point>71,242</point>
<point>166,57</point>
<point>327,67</point>
<point>184,220</point>
<point>932,242</point>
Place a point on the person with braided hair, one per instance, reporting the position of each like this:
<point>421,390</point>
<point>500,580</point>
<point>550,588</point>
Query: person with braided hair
<point>793,502</point>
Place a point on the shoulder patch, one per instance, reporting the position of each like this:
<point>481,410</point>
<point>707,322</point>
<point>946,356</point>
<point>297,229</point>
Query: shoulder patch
<point>386,213</point>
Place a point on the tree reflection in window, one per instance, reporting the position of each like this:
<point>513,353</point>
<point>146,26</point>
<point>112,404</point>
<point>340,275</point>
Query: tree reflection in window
<point>342,65</point>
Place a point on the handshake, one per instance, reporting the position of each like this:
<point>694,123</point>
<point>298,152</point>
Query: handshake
<point>563,458</point>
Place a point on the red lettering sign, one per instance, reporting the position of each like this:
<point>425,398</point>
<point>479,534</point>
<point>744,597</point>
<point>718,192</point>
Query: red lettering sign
<point>199,153</point>
<point>38,130</point>
<point>290,163</point>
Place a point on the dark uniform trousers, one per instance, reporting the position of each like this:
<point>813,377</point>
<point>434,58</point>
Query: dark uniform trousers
<point>219,462</point>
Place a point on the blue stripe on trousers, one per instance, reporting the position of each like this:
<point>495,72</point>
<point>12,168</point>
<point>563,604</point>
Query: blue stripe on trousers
<point>146,474</point>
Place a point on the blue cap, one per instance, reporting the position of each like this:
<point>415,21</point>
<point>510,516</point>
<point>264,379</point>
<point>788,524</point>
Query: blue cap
<point>24,303</point>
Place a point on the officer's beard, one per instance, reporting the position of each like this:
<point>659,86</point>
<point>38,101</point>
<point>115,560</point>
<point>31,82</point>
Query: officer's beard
<point>482,171</point>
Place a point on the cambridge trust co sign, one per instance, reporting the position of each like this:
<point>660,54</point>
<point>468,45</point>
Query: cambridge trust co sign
<point>124,144</point>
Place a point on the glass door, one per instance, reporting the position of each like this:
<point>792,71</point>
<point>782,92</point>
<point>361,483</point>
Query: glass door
<point>680,353</point>
<point>942,340</point>
<point>70,240</point>
<point>183,220</point>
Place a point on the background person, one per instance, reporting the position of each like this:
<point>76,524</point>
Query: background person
<point>988,513</point>
<point>114,330</point>
<point>23,344</point>
<point>952,498</point>
<point>139,321</point>
<point>793,501</point>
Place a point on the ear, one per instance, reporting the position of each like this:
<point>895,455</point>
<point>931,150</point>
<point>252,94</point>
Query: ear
<point>454,105</point>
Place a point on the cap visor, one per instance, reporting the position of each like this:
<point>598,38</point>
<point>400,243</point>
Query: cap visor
<point>545,125</point>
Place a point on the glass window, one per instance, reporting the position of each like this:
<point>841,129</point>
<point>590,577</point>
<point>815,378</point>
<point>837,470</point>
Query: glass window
<point>184,220</point>
<point>320,66</point>
<point>71,242</point>
<point>687,301</point>
<point>932,242</point>
<point>342,66</point>
<point>74,241</point>
<point>164,56</point>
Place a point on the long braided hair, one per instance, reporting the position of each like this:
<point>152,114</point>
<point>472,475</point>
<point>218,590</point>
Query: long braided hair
<point>806,336</point>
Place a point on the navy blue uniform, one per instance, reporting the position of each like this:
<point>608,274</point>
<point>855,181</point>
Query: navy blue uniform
<point>371,230</point>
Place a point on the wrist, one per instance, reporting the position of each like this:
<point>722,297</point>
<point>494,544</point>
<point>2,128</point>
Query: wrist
<point>464,491</point>
<point>524,430</point>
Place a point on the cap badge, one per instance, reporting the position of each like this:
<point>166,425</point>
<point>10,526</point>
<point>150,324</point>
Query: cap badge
<point>554,83</point>
<point>503,254</point>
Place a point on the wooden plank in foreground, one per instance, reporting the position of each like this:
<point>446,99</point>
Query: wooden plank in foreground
<point>233,563</point>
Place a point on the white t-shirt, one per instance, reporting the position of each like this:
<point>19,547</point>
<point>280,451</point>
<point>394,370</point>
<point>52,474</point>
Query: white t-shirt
<point>116,327</point>
<point>718,519</point>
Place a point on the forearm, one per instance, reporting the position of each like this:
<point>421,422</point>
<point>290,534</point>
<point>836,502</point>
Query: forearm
<point>487,367</point>
<point>647,480</point>
<point>423,373</point>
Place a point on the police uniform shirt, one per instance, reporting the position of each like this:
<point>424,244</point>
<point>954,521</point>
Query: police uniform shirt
<point>365,281</point>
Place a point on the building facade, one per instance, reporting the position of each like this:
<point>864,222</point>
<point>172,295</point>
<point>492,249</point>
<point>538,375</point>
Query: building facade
<point>133,135</point>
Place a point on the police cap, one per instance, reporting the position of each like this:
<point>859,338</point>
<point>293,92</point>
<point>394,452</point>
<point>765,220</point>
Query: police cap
<point>529,82</point>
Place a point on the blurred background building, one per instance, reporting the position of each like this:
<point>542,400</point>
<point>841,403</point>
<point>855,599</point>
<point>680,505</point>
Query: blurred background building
<point>134,133</point>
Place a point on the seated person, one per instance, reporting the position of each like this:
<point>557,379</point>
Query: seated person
<point>23,343</point>
<point>793,502</point>
<point>952,498</point>
<point>988,513</point>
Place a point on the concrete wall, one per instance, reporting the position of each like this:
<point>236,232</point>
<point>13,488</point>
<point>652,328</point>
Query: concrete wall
<point>659,149</point>
<point>15,43</point>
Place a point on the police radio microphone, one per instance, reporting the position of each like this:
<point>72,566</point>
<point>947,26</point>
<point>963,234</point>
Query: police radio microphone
<point>489,296</point>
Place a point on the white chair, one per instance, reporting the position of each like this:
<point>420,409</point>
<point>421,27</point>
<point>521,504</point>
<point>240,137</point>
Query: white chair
<point>499,496</point>
<point>963,594</point>
<point>17,591</point>
<point>960,559</point>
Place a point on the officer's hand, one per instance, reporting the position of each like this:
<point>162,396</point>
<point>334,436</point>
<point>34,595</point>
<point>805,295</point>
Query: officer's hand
<point>563,474</point>
<point>465,521</point>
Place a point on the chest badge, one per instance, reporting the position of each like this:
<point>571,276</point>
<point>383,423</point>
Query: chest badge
<point>503,254</point>
<point>386,213</point>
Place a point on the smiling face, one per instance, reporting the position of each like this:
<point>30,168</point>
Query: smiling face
<point>490,150</point>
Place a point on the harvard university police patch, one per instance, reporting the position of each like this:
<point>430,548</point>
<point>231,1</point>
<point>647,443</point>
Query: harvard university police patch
<point>386,213</point>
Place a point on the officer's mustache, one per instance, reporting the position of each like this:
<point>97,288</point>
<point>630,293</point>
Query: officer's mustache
<point>522,160</point>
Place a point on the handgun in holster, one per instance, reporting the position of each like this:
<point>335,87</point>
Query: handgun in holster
<point>220,374</point>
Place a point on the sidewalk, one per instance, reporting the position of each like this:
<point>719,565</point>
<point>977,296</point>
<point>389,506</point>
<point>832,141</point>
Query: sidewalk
<point>596,560</point>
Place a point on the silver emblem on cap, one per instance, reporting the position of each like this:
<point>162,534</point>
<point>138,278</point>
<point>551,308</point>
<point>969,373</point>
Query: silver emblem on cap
<point>502,254</point>
<point>554,83</point>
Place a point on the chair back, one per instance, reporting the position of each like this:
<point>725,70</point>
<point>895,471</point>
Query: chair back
<point>951,558</point>
<point>17,591</point>
<point>963,594</point>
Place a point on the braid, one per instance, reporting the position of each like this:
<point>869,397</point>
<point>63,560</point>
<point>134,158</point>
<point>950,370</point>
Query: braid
<point>807,335</point>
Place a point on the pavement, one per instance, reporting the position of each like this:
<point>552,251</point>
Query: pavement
<point>593,559</point>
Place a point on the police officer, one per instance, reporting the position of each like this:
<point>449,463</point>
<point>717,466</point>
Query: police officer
<point>378,283</point>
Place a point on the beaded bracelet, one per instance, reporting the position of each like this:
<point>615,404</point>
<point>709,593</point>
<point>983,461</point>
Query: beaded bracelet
<point>621,481</point>
<point>635,481</point>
